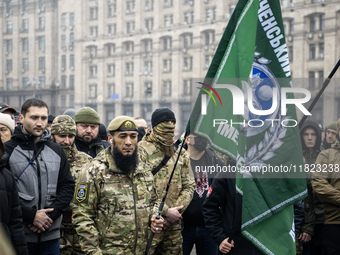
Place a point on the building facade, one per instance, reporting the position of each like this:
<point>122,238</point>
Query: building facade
<point>130,57</point>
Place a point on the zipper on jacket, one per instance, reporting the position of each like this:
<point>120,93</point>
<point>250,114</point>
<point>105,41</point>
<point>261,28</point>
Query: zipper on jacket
<point>39,189</point>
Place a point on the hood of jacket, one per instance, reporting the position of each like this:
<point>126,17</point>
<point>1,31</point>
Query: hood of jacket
<point>21,136</point>
<point>311,124</point>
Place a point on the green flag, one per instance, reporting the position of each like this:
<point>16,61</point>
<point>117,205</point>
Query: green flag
<point>239,111</point>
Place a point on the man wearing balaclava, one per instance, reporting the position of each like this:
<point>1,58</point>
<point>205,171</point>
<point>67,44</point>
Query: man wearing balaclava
<point>202,160</point>
<point>157,148</point>
<point>63,130</point>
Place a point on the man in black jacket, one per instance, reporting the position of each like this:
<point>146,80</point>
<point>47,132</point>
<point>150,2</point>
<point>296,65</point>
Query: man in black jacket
<point>222,210</point>
<point>43,177</point>
<point>87,137</point>
<point>203,164</point>
<point>10,210</point>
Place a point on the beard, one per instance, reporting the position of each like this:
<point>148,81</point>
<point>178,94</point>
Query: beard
<point>126,163</point>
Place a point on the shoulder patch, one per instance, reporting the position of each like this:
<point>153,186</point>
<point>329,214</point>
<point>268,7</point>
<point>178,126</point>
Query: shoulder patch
<point>82,190</point>
<point>209,191</point>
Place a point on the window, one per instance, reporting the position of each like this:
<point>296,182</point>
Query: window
<point>147,45</point>
<point>129,69</point>
<point>41,4</point>
<point>63,99</point>
<point>321,78</point>
<point>130,27</point>
<point>231,9</point>
<point>207,60</point>
<point>167,65</point>
<point>9,27</point>
<point>71,19</point>
<point>25,45</point>
<point>93,71</point>
<point>111,29</point>
<point>168,20</point>
<point>311,76</point>
<point>72,81</point>
<point>187,40</point>
<point>129,90</point>
<point>187,63</point>
<point>111,70</point>
<point>9,65</point>
<point>9,46</point>
<point>290,53</point>
<point>24,5</point>
<point>63,62</point>
<point>92,52</point>
<point>63,42</point>
<point>72,61</point>
<point>188,17</point>
<point>148,67</point>
<point>41,23</point>
<point>9,83</point>
<point>128,110</point>
<point>41,63</point>
<point>209,37</point>
<point>9,7</point>
<point>71,102</point>
<point>41,40</point>
<point>187,87</point>
<point>210,14</point>
<point>148,88</point>
<point>166,91</point>
<point>312,51</point>
<point>321,50</point>
<point>110,89</point>
<point>63,20</point>
<point>110,49</point>
<point>316,22</point>
<point>168,3</point>
<point>63,81</point>
<point>149,24</point>
<point>94,31</point>
<point>93,13</point>
<point>42,82</point>
<point>71,40</point>
<point>24,27</point>
<point>25,64</point>
<point>148,5</point>
<point>167,43</point>
<point>25,82</point>
<point>112,9</point>
<point>288,26</point>
<point>129,47</point>
<point>130,6</point>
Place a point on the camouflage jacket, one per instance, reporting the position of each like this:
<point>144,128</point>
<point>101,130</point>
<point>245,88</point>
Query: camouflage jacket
<point>112,210</point>
<point>182,185</point>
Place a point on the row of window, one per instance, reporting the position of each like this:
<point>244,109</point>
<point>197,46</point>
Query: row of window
<point>24,5</point>
<point>316,23</point>
<point>25,25</point>
<point>129,89</point>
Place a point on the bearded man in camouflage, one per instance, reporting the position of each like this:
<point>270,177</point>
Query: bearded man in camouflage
<point>116,197</point>
<point>63,132</point>
<point>157,148</point>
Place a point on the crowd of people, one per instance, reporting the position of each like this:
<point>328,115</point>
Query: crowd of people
<point>69,185</point>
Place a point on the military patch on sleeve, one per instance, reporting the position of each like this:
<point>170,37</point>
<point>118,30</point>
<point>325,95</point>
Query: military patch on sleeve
<point>209,192</point>
<point>82,190</point>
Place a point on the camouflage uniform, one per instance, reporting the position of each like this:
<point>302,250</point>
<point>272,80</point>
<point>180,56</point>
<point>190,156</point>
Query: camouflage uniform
<point>68,241</point>
<point>169,241</point>
<point>112,209</point>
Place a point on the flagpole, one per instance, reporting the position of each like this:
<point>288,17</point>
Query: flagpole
<point>160,208</point>
<point>324,85</point>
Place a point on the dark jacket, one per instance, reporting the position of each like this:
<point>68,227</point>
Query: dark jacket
<point>222,210</point>
<point>193,215</point>
<point>44,183</point>
<point>91,149</point>
<point>10,210</point>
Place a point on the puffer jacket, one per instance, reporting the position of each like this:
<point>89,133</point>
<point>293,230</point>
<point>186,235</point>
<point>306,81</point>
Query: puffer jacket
<point>10,210</point>
<point>326,182</point>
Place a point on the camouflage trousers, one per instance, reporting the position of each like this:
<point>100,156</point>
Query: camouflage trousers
<point>69,242</point>
<point>168,242</point>
<point>299,246</point>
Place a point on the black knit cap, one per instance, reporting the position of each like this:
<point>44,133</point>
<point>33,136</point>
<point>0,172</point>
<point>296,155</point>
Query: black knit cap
<point>161,115</point>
